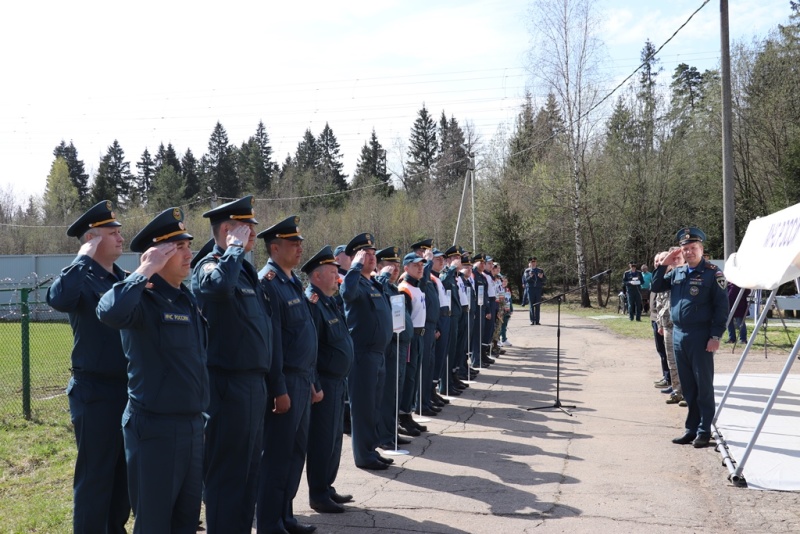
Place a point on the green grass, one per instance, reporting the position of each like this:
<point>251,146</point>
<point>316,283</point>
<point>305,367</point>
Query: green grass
<point>50,347</point>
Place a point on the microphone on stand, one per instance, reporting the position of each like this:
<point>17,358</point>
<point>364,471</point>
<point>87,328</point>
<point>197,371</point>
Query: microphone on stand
<point>598,275</point>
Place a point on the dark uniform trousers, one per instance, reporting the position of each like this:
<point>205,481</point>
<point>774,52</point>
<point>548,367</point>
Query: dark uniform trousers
<point>463,341</point>
<point>424,388</point>
<point>278,481</point>
<point>234,430</point>
<point>325,438</point>
<point>96,404</point>
<point>442,346</point>
<point>392,388</point>
<point>409,385</point>
<point>489,324</point>
<point>534,296</point>
<point>164,455</point>
<point>367,377</point>
<point>479,318</point>
<point>696,372</point>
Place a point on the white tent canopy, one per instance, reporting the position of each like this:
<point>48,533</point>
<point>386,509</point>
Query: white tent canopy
<point>770,252</point>
<point>768,257</point>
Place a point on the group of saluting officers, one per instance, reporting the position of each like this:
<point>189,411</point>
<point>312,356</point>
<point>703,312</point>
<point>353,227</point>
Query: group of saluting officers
<point>227,388</point>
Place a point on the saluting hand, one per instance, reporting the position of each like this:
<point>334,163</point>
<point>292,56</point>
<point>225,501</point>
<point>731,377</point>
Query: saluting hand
<point>240,233</point>
<point>90,247</point>
<point>673,257</point>
<point>154,258</point>
<point>359,257</point>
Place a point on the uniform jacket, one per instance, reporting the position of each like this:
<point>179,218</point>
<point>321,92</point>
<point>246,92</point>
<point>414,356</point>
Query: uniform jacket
<point>334,344</point>
<point>367,310</point>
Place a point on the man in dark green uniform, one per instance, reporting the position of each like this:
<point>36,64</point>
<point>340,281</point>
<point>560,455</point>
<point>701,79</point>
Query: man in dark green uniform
<point>699,311</point>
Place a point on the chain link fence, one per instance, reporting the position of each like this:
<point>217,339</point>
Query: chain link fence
<point>35,346</point>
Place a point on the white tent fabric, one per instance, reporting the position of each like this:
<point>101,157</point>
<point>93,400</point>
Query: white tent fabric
<point>770,252</point>
<point>768,257</point>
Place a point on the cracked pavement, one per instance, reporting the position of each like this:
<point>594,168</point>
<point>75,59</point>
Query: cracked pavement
<point>489,465</point>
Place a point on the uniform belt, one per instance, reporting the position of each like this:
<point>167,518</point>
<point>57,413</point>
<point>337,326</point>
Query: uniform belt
<point>170,416</point>
<point>444,312</point>
<point>235,372</point>
<point>91,375</point>
<point>465,308</point>
<point>419,331</point>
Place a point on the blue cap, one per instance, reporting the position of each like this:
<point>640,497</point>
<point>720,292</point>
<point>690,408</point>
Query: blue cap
<point>97,216</point>
<point>338,250</point>
<point>437,253</point>
<point>388,254</point>
<point>413,258</point>
<point>690,234</point>
<point>166,227</point>
<point>237,210</point>
<point>489,258</point>
<point>323,257</point>
<point>286,229</point>
<point>365,240</point>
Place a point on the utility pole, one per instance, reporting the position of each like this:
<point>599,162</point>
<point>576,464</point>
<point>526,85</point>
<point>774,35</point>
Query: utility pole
<point>728,204</point>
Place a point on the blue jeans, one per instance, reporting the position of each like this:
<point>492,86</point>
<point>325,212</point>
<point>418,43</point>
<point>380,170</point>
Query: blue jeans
<point>737,324</point>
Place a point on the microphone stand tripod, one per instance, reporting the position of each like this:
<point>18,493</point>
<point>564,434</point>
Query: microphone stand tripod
<point>559,298</point>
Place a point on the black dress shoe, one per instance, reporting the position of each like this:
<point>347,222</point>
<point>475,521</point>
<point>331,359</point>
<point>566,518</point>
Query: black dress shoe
<point>299,528</point>
<point>387,461</point>
<point>339,498</point>
<point>375,465</point>
<point>326,507</point>
<point>684,439</point>
<point>435,407</point>
<point>439,398</point>
<point>428,412</point>
<point>701,441</point>
<point>403,441</point>
<point>407,431</point>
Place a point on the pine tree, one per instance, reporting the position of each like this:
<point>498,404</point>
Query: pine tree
<point>166,157</point>
<point>146,170</point>
<point>269,167</point>
<point>255,166</point>
<point>190,175</point>
<point>169,189</point>
<point>114,179</point>
<point>330,163</point>
<point>219,165</point>
<point>371,166</point>
<point>77,172</point>
<point>306,157</point>
<point>422,152</point>
<point>453,161</point>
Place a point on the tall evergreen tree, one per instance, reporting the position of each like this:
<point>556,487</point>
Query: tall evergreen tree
<point>255,166</point>
<point>114,179</point>
<point>453,161</point>
<point>306,157</point>
<point>422,151</point>
<point>146,170</point>
<point>219,165</point>
<point>371,165</point>
<point>77,172</point>
<point>190,174</point>
<point>167,157</point>
<point>169,189</point>
<point>329,166</point>
<point>269,167</point>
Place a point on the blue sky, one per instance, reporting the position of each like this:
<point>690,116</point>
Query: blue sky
<point>151,72</point>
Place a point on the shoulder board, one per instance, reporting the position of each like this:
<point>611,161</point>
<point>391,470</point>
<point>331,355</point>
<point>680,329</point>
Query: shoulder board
<point>269,275</point>
<point>711,266</point>
<point>313,298</point>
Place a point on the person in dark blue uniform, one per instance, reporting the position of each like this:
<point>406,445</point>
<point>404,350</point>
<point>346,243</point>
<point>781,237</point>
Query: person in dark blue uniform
<point>534,280</point>
<point>481,312</point>
<point>164,336</point>
<point>450,277</point>
<point>292,382</point>
<point>334,360</point>
<point>369,318</point>
<point>97,391</point>
<point>632,279</point>
<point>699,311</point>
<point>389,267</point>
<point>442,340</point>
<point>236,307</point>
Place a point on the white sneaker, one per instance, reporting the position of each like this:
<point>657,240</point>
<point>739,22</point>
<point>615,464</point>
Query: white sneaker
<point>507,343</point>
